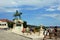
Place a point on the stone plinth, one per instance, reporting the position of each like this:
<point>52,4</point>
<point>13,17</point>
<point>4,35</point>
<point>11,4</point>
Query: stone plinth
<point>18,26</point>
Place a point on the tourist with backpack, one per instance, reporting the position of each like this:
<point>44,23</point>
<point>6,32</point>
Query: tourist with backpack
<point>50,33</point>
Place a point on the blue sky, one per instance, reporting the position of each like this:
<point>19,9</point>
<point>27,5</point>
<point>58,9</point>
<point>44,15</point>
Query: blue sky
<point>35,12</point>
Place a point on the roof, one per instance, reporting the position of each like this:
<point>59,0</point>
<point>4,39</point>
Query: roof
<point>5,20</point>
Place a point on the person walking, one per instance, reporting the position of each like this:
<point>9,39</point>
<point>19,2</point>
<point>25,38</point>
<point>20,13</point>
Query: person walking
<point>45,34</point>
<point>55,32</point>
<point>50,33</point>
<point>23,30</point>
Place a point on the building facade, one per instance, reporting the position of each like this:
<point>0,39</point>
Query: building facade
<point>3,23</point>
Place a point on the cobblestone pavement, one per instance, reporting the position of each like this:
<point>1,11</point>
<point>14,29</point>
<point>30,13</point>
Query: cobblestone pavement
<point>11,36</point>
<point>52,38</point>
<point>4,35</point>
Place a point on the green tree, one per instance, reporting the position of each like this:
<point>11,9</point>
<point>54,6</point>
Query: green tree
<point>44,27</point>
<point>25,24</point>
<point>10,24</point>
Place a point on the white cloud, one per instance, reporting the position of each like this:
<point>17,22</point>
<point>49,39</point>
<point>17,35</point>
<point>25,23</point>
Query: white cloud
<point>58,7</point>
<point>36,3</point>
<point>2,9</point>
<point>4,3</point>
<point>28,2</point>
<point>43,16</point>
<point>55,16</point>
<point>50,15</point>
<point>52,8</point>
<point>11,10</point>
<point>30,8</point>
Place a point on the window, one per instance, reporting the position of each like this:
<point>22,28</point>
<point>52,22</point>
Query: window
<point>5,24</point>
<point>18,24</point>
<point>0,24</point>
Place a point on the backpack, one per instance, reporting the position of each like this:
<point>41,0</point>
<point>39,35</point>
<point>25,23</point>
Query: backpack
<point>50,30</point>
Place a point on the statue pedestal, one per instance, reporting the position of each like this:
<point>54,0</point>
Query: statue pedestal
<point>18,26</point>
<point>41,34</point>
